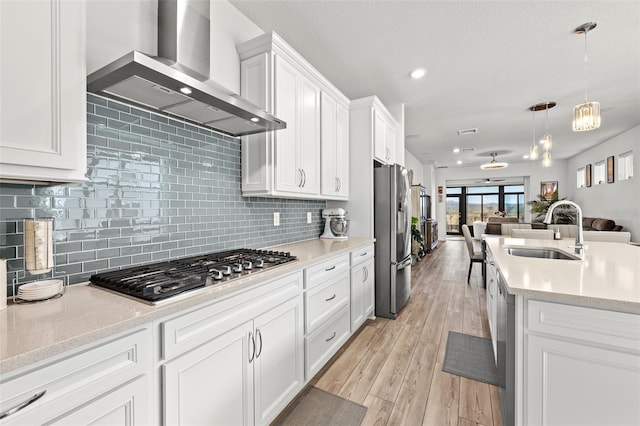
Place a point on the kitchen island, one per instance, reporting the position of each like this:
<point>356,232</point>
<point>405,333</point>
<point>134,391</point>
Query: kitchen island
<point>573,332</point>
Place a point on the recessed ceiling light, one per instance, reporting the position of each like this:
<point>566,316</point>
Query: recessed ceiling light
<point>185,90</point>
<point>254,119</point>
<point>456,150</point>
<point>418,73</point>
<point>526,156</point>
<point>459,162</point>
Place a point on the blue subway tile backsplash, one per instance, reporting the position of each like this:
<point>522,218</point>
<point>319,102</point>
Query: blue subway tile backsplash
<point>157,189</point>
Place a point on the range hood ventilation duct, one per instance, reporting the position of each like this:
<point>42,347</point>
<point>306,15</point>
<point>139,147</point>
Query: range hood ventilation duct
<point>176,82</point>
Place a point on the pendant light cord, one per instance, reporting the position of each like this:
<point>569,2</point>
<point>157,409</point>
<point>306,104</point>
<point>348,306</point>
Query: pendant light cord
<point>547,109</point>
<point>585,65</point>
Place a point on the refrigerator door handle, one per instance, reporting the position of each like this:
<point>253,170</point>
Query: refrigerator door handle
<point>403,263</point>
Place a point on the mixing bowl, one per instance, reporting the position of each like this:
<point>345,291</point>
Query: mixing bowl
<point>339,226</point>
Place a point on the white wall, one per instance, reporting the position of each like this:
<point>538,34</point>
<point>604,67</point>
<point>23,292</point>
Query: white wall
<point>412,163</point>
<point>619,201</point>
<point>533,172</point>
<point>116,27</point>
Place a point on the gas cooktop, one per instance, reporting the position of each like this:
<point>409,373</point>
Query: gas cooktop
<point>161,281</point>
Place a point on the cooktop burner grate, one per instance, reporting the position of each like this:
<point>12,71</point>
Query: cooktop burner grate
<point>160,281</point>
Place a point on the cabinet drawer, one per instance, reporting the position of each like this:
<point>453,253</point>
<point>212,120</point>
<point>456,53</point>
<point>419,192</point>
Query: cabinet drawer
<point>323,301</point>
<point>192,329</point>
<point>324,343</point>
<point>322,272</point>
<point>362,254</point>
<point>76,379</point>
<point>589,324</point>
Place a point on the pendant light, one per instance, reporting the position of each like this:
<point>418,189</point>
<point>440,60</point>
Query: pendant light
<point>533,150</point>
<point>586,116</point>
<point>493,164</point>
<point>546,140</point>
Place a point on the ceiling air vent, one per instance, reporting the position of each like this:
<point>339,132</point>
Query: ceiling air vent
<point>472,131</point>
<point>442,167</point>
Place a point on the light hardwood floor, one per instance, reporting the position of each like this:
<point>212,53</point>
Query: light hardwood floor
<point>395,367</point>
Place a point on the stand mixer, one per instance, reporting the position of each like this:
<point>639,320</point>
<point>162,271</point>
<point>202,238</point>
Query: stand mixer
<point>335,224</point>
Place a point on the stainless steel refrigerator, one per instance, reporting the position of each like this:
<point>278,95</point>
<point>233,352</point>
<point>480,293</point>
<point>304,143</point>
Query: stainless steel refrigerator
<point>392,219</point>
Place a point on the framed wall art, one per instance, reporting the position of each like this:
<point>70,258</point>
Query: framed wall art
<point>548,188</point>
<point>587,172</point>
<point>610,170</point>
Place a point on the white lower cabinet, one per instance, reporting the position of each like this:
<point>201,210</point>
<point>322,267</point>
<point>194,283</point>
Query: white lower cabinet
<point>492,299</point>
<point>107,383</point>
<point>324,342</point>
<point>326,311</point>
<point>582,366</point>
<point>244,358</point>
<point>362,286</point>
<point>126,405</point>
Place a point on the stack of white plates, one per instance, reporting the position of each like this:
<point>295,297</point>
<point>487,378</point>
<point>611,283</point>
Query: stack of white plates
<point>40,290</point>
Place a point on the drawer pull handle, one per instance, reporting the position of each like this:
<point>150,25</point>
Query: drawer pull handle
<point>363,254</point>
<point>252,352</point>
<point>260,339</point>
<point>25,404</point>
<point>331,338</point>
<point>331,298</point>
<point>330,269</point>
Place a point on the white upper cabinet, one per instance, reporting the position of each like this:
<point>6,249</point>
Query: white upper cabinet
<point>384,136</point>
<point>42,91</point>
<point>287,163</point>
<point>335,148</point>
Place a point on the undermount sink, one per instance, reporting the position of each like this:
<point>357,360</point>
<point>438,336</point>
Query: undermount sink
<point>540,253</point>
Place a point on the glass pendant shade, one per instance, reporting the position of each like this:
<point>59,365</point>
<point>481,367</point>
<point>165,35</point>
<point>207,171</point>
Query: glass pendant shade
<point>533,152</point>
<point>586,116</point>
<point>547,143</point>
<point>546,159</point>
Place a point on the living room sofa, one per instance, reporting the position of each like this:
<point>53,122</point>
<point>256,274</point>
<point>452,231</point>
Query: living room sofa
<point>504,226</point>
<point>599,224</point>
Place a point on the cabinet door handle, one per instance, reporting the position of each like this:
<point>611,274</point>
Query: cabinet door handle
<point>299,178</point>
<point>365,274</point>
<point>22,405</point>
<point>330,269</point>
<point>304,178</point>
<point>331,298</point>
<point>259,334</point>
<point>330,338</point>
<point>252,352</point>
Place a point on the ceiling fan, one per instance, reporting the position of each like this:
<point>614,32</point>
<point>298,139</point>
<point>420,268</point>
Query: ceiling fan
<point>488,180</point>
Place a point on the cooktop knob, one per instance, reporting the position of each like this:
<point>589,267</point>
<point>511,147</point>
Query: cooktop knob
<point>247,265</point>
<point>226,270</point>
<point>215,274</point>
<point>237,267</point>
<point>259,263</point>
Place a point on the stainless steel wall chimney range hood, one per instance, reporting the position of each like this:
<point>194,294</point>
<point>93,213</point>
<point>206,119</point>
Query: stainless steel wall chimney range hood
<point>176,82</point>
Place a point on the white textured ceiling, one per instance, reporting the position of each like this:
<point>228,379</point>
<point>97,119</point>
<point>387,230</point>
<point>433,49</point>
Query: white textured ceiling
<point>487,62</point>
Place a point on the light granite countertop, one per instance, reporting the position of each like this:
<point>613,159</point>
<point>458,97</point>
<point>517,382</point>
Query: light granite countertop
<point>606,277</point>
<point>84,314</point>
